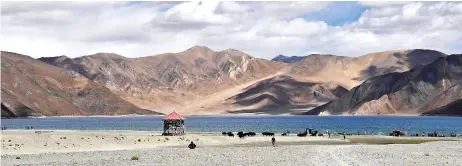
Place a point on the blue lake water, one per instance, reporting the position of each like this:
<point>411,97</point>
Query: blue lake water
<point>295,124</point>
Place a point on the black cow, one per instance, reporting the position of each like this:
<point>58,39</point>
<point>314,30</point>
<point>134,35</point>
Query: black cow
<point>240,134</point>
<point>304,134</point>
<point>267,134</point>
<point>314,133</point>
<point>224,133</point>
<point>230,134</point>
<point>250,134</point>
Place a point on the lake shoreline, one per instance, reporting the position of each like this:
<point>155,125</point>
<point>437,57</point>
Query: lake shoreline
<point>356,125</point>
<point>117,147</point>
<point>46,141</point>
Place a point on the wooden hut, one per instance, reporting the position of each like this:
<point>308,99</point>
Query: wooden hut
<point>173,124</point>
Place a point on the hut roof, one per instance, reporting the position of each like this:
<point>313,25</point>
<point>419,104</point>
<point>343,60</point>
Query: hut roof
<point>174,116</point>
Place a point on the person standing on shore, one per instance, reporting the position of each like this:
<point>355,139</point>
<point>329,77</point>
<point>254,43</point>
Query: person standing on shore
<point>328,133</point>
<point>344,136</point>
<point>273,141</point>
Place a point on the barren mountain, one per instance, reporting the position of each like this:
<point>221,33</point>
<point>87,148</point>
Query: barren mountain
<point>452,109</point>
<point>287,59</point>
<point>31,87</point>
<point>351,71</point>
<point>419,90</point>
<point>284,94</point>
<point>168,81</point>
<point>202,81</point>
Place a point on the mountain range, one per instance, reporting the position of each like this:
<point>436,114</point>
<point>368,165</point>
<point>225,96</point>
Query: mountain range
<point>287,59</point>
<point>201,81</point>
<point>419,90</point>
<point>33,88</point>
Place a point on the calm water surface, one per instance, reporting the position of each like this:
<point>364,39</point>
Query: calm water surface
<point>295,124</point>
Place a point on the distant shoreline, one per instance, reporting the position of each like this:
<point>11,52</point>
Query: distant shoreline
<point>220,115</point>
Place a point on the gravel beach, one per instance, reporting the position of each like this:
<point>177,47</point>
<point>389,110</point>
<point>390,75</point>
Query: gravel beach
<point>117,148</point>
<point>431,153</point>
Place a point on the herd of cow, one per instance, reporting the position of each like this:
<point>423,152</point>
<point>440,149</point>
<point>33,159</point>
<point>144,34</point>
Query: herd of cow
<point>241,134</point>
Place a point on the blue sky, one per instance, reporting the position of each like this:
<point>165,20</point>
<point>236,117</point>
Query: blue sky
<point>338,13</point>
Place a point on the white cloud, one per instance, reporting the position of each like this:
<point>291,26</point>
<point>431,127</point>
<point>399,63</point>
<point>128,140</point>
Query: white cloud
<point>296,27</point>
<point>188,15</point>
<point>383,3</point>
<point>262,29</point>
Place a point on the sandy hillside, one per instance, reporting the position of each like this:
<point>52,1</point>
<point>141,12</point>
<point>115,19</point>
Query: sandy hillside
<point>31,87</point>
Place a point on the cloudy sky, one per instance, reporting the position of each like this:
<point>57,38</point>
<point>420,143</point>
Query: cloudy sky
<point>262,29</point>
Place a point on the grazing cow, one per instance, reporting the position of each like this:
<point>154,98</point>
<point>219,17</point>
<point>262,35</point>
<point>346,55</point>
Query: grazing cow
<point>230,134</point>
<point>167,134</point>
<point>304,134</point>
<point>314,133</point>
<point>267,134</point>
<point>284,134</point>
<point>240,134</point>
<point>224,133</point>
<point>250,134</point>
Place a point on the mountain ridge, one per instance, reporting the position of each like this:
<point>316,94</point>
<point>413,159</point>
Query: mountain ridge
<point>408,92</point>
<point>31,87</point>
<point>200,80</point>
<point>168,80</point>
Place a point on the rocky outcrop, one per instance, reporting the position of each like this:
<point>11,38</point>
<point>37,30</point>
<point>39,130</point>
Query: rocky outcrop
<point>287,59</point>
<point>33,88</point>
<point>452,109</point>
<point>413,92</point>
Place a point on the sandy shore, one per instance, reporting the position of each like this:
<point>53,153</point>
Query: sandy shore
<point>117,147</point>
<point>33,142</point>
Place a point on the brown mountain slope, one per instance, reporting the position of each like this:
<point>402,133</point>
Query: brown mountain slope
<point>338,71</point>
<point>31,87</point>
<point>413,92</point>
<point>170,80</point>
<point>351,71</point>
<point>452,109</point>
<point>283,94</point>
